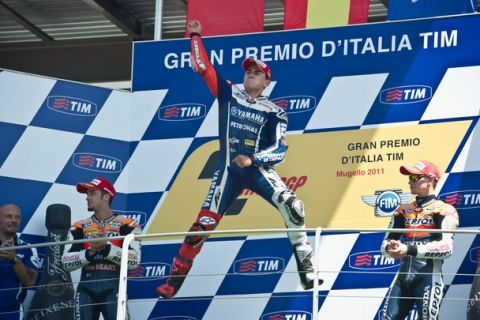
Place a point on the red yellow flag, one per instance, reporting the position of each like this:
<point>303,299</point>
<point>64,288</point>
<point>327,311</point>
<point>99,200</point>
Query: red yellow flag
<point>301,14</point>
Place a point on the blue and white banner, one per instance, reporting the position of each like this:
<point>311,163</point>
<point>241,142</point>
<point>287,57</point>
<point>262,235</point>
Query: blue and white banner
<point>361,101</point>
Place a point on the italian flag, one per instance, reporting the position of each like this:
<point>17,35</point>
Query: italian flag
<point>301,14</point>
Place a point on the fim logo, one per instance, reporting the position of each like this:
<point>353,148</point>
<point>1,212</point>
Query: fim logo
<point>287,315</point>
<point>72,106</point>
<point>462,200</point>
<point>149,271</point>
<point>182,112</point>
<point>139,216</point>
<point>386,202</point>
<point>406,94</point>
<point>259,266</point>
<point>371,260</point>
<point>475,254</point>
<point>97,162</point>
<point>294,104</point>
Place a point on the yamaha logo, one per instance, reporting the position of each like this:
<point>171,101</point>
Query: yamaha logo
<point>97,162</point>
<point>72,106</point>
<point>371,260</point>
<point>462,200</point>
<point>259,265</point>
<point>287,315</point>
<point>295,104</point>
<point>406,94</point>
<point>182,112</point>
<point>386,202</point>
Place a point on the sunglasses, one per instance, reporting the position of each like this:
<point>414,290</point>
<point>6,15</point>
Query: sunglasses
<point>415,177</point>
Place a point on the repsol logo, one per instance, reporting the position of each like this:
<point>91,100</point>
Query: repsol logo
<point>293,183</point>
<point>295,104</point>
<point>419,222</point>
<point>259,265</point>
<point>97,162</point>
<point>149,271</point>
<point>139,216</point>
<point>371,260</point>
<point>431,302</point>
<point>287,315</point>
<point>437,254</point>
<point>406,94</point>
<point>72,106</point>
<point>182,112</point>
<point>462,200</point>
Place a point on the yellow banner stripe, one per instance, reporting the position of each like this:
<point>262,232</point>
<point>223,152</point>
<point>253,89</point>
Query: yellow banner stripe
<point>327,13</point>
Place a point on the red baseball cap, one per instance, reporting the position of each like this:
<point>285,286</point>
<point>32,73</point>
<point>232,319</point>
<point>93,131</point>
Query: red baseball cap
<point>97,183</point>
<point>421,167</point>
<point>262,66</point>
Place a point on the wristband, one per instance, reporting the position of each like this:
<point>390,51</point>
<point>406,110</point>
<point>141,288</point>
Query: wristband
<point>194,34</point>
<point>252,157</point>
<point>106,250</point>
<point>89,255</point>
<point>412,250</point>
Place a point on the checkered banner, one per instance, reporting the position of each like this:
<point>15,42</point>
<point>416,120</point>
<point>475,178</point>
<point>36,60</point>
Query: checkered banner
<point>361,101</point>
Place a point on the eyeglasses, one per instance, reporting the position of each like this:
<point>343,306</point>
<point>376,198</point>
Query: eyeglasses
<point>415,177</point>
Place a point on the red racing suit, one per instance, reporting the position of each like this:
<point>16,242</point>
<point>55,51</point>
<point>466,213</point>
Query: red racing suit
<point>98,287</point>
<point>420,273</point>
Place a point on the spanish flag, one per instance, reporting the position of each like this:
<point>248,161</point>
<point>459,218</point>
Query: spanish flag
<point>301,14</point>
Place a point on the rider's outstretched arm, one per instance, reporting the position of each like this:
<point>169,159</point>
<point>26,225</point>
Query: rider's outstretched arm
<point>220,88</point>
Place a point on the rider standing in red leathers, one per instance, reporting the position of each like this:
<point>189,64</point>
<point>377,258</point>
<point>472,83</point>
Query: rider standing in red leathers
<point>419,280</point>
<point>99,260</point>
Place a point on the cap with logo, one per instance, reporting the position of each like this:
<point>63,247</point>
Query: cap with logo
<point>262,66</point>
<point>97,183</point>
<point>423,167</point>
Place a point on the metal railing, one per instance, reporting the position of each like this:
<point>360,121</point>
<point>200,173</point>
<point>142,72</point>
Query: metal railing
<point>122,292</point>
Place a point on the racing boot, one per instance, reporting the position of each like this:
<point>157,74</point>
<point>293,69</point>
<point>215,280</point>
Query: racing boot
<point>180,269</point>
<point>303,256</point>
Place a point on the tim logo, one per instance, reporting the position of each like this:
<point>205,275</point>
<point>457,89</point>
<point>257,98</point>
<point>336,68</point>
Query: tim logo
<point>406,94</point>
<point>462,200</point>
<point>72,106</point>
<point>371,260</point>
<point>149,271</point>
<point>258,266</point>
<point>294,104</point>
<point>287,315</point>
<point>139,216</point>
<point>97,162</point>
<point>182,112</point>
<point>475,254</point>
